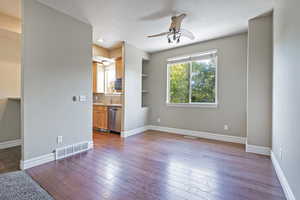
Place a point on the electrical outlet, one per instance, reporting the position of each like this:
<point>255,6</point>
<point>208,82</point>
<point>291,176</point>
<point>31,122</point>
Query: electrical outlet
<point>59,139</point>
<point>158,120</point>
<point>226,127</point>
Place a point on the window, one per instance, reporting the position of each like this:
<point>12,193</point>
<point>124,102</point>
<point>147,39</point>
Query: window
<point>110,77</point>
<point>100,78</point>
<point>192,80</point>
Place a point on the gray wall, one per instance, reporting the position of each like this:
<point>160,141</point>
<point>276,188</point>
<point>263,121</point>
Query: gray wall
<point>56,65</point>
<point>232,67</point>
<point>10,120</point>
<point>259,96</point>
<point>286,87</point>
<point>134,115</point>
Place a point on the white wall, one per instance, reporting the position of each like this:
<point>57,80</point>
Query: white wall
<point>134,115</point>
<point>286,87</point>
<point>232,66</point>
<point>259,97</point>
<point>56,65</point>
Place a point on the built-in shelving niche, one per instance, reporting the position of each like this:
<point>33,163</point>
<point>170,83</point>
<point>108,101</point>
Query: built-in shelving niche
<point>144,83</point>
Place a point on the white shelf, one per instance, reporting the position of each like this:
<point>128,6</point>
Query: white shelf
<point>144,91</point>
<point>144,75</point>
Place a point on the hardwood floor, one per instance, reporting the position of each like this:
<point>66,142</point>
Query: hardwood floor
<point>10,159</point>
<point>160,166</point>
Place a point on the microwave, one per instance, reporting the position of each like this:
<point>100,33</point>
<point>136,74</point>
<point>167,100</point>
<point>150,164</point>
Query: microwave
<point>118,84</point>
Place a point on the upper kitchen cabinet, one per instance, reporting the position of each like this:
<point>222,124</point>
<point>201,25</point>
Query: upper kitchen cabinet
<point>108,70</point>
<point>119,68</point>
<point>100,51</point>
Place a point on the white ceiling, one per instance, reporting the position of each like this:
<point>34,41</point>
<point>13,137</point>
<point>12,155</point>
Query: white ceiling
<point>11,8</point>
<point>132,20</point>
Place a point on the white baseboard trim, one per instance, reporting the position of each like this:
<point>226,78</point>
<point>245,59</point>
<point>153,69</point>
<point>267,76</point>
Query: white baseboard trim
<point>26,164</point>
<point>91,144</point>
<point>200,134</point>
<point>125,134</point>
<point>11,143</point>
<point>258,149</point>
<point>283,181</point>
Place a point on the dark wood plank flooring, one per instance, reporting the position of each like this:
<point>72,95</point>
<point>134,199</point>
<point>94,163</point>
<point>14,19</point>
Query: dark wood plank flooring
<point>10,159</point>
<point>160,166</point>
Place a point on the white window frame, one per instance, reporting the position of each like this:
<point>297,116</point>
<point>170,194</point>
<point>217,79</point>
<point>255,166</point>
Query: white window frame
<point>191,104</point>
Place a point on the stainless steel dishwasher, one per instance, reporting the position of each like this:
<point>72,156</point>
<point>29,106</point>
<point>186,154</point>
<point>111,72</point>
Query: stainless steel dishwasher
<point>114,119</point>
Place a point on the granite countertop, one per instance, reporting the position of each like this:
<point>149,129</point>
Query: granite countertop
<point>104,104</point>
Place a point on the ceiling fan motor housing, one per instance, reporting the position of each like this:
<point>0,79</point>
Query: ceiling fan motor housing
<point>174,37</point>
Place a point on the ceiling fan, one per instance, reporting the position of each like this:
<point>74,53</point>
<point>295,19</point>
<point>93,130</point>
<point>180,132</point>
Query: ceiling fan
<point>175,31</point>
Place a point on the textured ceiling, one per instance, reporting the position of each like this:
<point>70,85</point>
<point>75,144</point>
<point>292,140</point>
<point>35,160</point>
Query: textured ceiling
<point>133,20</point>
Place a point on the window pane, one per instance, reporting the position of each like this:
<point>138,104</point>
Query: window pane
<point>203,81</point>
<point>179,83</point>
<point>110,75</point>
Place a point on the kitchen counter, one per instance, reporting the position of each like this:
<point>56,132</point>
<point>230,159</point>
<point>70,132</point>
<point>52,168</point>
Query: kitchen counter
<point>14,98</point>
<point>108,105</point>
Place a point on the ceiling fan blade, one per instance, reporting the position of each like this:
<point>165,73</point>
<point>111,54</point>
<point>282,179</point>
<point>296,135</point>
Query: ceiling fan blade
<point>158,35</point>
<point>187,33</point>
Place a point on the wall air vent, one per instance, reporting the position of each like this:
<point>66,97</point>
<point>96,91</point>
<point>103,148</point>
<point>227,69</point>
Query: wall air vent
<point>70,150</point>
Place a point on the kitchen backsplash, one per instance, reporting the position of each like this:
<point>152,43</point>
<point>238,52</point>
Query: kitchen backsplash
<point>107,99</point>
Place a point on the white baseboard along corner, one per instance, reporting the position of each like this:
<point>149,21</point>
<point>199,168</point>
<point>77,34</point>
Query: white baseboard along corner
<point>132,132</point>
<point>200,134</point>
<point>282,178</point>
<point>33,162</point>
<point>258,149</point>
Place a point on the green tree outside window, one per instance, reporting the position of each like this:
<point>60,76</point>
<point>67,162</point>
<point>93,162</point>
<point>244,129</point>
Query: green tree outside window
<point>195,85</point>
<point>179,83</point>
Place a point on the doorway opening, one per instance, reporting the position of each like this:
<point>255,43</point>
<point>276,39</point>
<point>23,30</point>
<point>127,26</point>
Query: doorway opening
<point>10,85</point>
<point>108,90</point>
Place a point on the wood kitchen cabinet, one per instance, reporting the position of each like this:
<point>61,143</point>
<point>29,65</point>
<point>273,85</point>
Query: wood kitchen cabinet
<point>95,77</point>
<point>100,117</point>
<point>119,68</point>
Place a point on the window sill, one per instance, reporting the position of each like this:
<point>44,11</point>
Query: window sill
<point>194,105</point>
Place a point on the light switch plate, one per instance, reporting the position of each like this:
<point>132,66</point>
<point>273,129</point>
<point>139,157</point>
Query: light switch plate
<point>82,98</point>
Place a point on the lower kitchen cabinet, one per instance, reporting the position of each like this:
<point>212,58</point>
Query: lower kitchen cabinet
<point>100,117</point>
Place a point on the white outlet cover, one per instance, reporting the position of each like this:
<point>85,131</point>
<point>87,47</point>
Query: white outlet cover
<point>226,127</point>
<point>158,120</point>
